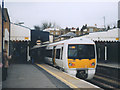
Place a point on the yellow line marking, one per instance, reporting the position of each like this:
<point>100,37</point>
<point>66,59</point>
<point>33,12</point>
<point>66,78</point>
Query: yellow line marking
<point>68,83</point>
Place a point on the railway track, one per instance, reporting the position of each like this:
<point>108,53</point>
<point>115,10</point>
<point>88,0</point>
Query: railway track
<point>104,82</point>
<point>106,78</point>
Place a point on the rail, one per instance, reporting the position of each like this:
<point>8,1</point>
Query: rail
<point>106,77</point>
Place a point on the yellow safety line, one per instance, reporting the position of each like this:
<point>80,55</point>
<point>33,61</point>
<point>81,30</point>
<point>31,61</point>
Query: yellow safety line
<point>68,83</point>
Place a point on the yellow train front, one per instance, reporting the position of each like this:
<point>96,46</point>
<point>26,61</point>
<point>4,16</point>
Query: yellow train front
<point>76,56</point>
<point>82,58</point>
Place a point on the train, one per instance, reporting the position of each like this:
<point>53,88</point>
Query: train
<point>76,56</point>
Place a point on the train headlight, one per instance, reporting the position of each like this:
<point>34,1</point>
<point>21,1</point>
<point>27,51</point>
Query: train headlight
<point>71,64</point>
<point>93,64</point>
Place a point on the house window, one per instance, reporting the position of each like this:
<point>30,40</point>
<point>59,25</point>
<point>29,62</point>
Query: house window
<point>73,31</point>
<point>51,32</point>
<point>57,33</point>
<point>90,30</point>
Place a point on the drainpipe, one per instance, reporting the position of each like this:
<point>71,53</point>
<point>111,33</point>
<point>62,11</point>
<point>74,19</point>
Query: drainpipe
<point>9,37</point>
<point>2,25</point>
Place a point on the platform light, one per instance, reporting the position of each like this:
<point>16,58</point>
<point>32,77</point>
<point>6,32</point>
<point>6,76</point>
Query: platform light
<point>93,64</point>
<point>71,64</point>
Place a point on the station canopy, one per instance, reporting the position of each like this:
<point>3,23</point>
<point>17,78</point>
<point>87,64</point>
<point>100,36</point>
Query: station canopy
<point>112,35</point>
<point>19,33</point>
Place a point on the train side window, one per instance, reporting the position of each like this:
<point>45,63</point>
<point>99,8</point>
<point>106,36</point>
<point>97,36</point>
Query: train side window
<point>61,53</point>
<point>57,53</point>
<point>49,53</point>
<point>46,53</point>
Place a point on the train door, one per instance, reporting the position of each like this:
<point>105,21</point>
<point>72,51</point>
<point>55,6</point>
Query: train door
<point>61,56</point>
<point>58,59</point>
<point>54,55</point>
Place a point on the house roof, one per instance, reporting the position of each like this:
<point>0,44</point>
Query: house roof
<point>69,34</point>
<point>49,29</point>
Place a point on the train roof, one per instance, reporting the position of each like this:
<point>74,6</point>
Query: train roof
<point>38,46</point>
<point>76,40</point>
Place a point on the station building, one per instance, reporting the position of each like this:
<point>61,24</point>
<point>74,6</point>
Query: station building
<point>6,31</point>
<point>20,37</point>
<point>4,35</point>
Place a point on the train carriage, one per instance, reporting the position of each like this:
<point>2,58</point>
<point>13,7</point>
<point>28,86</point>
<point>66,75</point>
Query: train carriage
<point>76,56</point>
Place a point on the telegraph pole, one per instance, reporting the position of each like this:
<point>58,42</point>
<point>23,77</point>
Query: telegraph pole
<point>104,22</point>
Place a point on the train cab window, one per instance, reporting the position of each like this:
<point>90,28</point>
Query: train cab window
<point>57,53</point>
<point>81,51</point>
<point>72,51</point>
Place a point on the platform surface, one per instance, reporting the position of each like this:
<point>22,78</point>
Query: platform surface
<point>42,76</point>
<point>28,76</point>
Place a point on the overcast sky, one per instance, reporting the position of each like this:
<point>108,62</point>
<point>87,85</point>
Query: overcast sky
<point>64,14</point>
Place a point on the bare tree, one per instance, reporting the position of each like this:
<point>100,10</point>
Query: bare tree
<point>46,25</point>
<point>67,30</point>
<point>108,27</point>
<point>82,29</point>
<point>36,27</point>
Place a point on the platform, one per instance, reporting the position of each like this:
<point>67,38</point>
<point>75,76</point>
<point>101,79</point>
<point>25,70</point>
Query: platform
<point>69,80</point>
<point>41,76</point>
<point>112,65</point>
